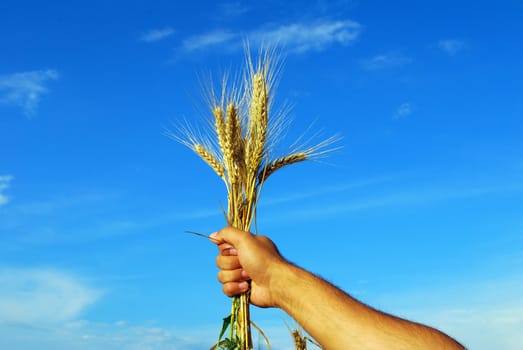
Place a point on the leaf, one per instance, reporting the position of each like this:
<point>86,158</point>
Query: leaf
<point>226,323</point>
<point>232,345</point>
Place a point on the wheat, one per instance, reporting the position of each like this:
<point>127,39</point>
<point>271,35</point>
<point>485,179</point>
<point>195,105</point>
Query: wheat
<point>300,342</point>
<point>258,123</point>
<point>280,163</point>
<point>232,143</point>
<point>219,124</point>
<point>210,159</point>
<point>241,156</point>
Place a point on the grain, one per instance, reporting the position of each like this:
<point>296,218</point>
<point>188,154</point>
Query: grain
<point>279,163</point>
<point>210,159</point>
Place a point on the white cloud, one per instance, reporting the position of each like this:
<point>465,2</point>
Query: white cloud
<point>25,89</point>
<point>82,334</point>
<point>4,184</point>
<point>157,34</point>
<point>386,60</point>
<point>295,37</point>
<point>36,296</point>
<point>317,36</point>
<point>210,40</point>
<point>404,110</point>
<point>451,46</point>
<point>483,328</point>
<point>482,315</point>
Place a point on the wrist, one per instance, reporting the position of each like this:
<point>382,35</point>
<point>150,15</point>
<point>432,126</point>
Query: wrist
<point>283,276</point>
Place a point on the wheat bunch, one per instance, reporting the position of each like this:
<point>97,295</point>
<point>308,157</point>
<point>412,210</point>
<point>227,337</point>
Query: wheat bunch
<point>300,340</point>
<point>241,154</point>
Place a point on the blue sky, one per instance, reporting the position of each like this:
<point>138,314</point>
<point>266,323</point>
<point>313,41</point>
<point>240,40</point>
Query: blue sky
<point>419,214</point>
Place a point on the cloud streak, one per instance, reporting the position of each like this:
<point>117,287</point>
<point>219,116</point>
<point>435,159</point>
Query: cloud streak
<point>303,37</point>
<point>4,185</point>
<point>81,334</point>
<point>482,315</point>
<point>298,38</point>
<point>386,60</point>
<point>35,296</point>
<point>157,35</point>
<point>24,90</point>
<point>233,9</point>
<point>402,198</point>
<point>451,46</point>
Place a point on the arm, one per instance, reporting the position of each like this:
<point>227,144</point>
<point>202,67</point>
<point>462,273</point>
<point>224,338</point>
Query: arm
<point>332,317</point>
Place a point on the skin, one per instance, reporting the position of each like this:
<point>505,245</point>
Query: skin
<point>334,318</point>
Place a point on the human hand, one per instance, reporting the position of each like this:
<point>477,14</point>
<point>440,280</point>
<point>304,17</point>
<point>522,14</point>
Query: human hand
<point>243,257</point>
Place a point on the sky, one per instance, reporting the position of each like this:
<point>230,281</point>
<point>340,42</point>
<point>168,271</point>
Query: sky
<point>417,214</point>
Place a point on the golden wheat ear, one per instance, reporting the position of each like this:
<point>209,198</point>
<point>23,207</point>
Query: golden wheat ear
<point>279,163</point>
<point>211,160</point>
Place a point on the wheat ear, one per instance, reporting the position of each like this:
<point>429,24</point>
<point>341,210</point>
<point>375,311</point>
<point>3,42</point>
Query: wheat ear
<point>219,126</point>
<point>258,122</point>
<point>210,160</point>
<point>279,163</point>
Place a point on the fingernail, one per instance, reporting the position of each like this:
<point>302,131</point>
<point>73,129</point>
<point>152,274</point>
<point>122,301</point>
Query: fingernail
<point>244,274</point>
<point>214,235</point>
<point>243,285</point>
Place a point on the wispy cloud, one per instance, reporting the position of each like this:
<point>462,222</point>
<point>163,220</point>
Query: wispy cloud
<point>157,34</point>
<point>281,199</point>
<point>32,296</point>
<point>4,184</point>
<point>298,37</point>
<point>418,196</point>
<point>399,198</point>
<point>300,196</point>
<point>303,37</point>
<point>386,60</point>
<point>211,40</point>
<point>482,315</point>
<point>60,203</point>
<point>82,334</point>
<point>48,226</point>
<point>451,46</point>
<point>404,110</point>
<point>233,9</point>
<point>24,90</point>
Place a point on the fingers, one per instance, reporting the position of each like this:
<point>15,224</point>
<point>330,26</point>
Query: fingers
<point>227,262</point>
<point>234,282</point>
<point>231,275</point>
<point>227,276</point>
<point>234,288</point>
<point>227,250</point>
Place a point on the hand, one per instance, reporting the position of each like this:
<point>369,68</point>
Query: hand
<point>243,257</point>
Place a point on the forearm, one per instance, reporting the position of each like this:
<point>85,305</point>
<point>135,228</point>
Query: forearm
<point>338,321</point>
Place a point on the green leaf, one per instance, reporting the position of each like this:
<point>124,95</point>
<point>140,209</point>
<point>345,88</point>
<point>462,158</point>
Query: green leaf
<point>231,345</point>
<point>226,323</point>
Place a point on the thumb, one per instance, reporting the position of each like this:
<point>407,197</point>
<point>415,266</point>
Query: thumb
<point>233,236</point>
